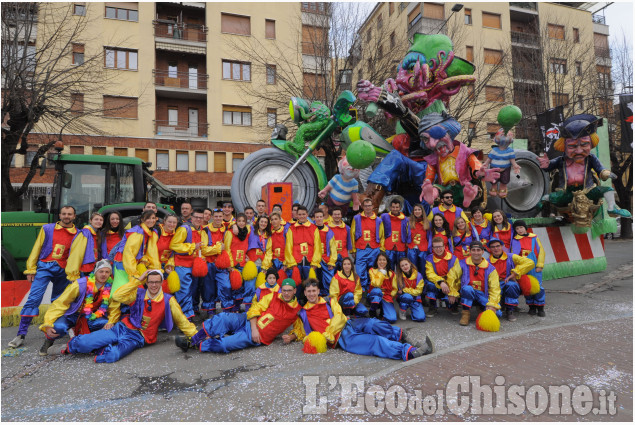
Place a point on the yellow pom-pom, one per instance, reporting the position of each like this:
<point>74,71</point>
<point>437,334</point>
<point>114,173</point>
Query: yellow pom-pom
<point>312,274</point>
<point>250,271</point>
<point>314,343</point>
<point>535,285</point>
<point>529,285</point>
<point>487,216</point>
<point>141,268</point>
<point>488,321</point>
<point>174,283</point>
<point>260,279</point>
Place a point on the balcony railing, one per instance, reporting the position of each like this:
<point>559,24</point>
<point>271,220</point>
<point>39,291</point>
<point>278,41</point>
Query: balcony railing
<point>527,73</point>
<point>602,52</point>
<point>523,5</point>
<point>180,31</point>
<point>183,80</point>
<point>598,19</point>
<point>525,38</point>
<point>180,128</point>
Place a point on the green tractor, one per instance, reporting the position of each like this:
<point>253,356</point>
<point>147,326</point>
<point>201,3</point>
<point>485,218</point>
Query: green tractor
<point>89,183</point>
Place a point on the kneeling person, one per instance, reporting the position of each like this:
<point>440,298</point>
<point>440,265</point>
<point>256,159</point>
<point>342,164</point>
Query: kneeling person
<point>265,320</point>
<point>369,337</point>
<point>85,305</point>
<point>149,309</point>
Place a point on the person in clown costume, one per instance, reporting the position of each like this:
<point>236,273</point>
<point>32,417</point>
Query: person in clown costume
<point>409,289</point>
<point>528,245</point>
<point>396,231</point>
<point>420,236</point>
<point>265,320</point>
<point>270,285</point>
<point>367,234</point>
<point>84,305</point>
<point>321,323</point>
<point>150,309</point>
<point>478,283</point>
<point>383,288</point>
<point>347,290</point>
<point>510,267</point>
<point>329,252</point>
<point>442,270</point>
<point>87,241</point>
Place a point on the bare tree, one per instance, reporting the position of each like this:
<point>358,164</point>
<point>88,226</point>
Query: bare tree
<point>325,49</point>
<point>46,71</point>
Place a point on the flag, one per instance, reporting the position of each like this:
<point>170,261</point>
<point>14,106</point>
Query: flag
<point>626,118</point>
<point>549,123</point>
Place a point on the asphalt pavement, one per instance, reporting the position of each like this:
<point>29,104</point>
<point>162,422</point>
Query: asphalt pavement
<point>585,340</point>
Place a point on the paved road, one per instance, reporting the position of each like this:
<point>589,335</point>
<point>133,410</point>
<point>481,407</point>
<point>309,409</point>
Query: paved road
<point>586,339</point>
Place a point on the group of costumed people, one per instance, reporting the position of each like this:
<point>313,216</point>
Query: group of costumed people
<point>254,275</point>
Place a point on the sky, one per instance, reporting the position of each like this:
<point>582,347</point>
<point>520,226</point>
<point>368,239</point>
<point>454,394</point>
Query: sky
<point>619,18</point>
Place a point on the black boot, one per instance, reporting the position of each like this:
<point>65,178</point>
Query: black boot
<point>182,342</point>
<point>532,310</point>
<point>541,311</point>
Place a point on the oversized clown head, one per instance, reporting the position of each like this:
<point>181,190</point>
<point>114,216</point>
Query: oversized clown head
<point>437,132</point>
<point>346,170</point>
<point>578,137</point>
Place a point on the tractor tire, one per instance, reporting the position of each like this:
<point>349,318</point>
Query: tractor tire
<point>9,267</point>
<point>524,194</point>
<point>268,166</point>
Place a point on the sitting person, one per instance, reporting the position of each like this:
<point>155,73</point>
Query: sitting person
<point>368,337</point>
<point>442,269</point>
<point>383,288</point>
<point>84,305</point>
<point>264,321</point>
<point>410,287</point>
<point>347,289</point>
<point>150,309</point>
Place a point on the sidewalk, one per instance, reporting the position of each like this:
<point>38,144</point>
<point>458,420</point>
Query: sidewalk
<point>570,355</point>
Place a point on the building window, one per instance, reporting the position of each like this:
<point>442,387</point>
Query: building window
<point>576,35</point>
<point>494,94</point>
<point>558,66</point>
<point>173,117</point>
<point>433,11</point>
<point>314,7</point>
<point>77,150</point>
<point>77,103</point>
<point>29,159</point>
<point>580,102</point>
<point>393,43</point>
<point>122,14</point>
<point>120,58</point>
<point>99,150</point>
<point>369,36</point>
<point>237,158</point>
<point>314,40</point>
<point>270,29</point>
<point>220,162</point>
<point>578,69</point>
<point>79,9</point>
<point>391,8</point>
<point>471,130</point>
<point>201,161</point>
<point>555,31</point>
<point>172,70</point>
<point>142,154</point>
<point>492,129</point>
<point>163,160</point>
<point>493,57</point>
<point>238,71</point>
<point>182,161</point>
<point>121,151</point>
<point>314,86</point>
<point>235,24</point>
<point>559,99</point>
<point>414,17</point>
<point>271,74</point>
<point>469,53</point>
<point>468,16</point>
<point>236,115</point>
<point>120,107</point>
<point>491,20</point>
<point>345,76</point>
<point>272,117</point>
<point>78,54</point>
<point>604,76</point>
<point>380,22</point>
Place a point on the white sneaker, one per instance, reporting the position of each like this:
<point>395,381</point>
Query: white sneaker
<point>71,333</point>
<point>17,341</point>
<point>402,315</point>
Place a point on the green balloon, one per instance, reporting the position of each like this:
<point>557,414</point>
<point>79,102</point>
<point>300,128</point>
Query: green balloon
<point>509,116</point>
<point>360,154</point>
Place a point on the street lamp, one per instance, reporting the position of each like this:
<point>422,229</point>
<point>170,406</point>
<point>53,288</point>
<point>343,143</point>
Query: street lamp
<point>456,8</point>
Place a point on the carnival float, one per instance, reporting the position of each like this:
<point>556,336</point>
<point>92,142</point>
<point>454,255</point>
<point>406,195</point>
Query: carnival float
<point>561,199</point>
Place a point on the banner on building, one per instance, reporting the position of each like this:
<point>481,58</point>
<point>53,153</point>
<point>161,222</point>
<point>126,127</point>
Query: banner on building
<point>549,123</point>
<point>626,119</point>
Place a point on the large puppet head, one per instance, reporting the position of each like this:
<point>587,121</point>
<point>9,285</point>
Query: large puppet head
<point>431,71</point>
<point>346,170</point>
<point>578,135</point>
<point>503,140</point>
<point>437,132</point>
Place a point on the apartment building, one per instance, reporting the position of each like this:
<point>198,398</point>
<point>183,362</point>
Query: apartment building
<point>188,86</point>
<point>536,55</point>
